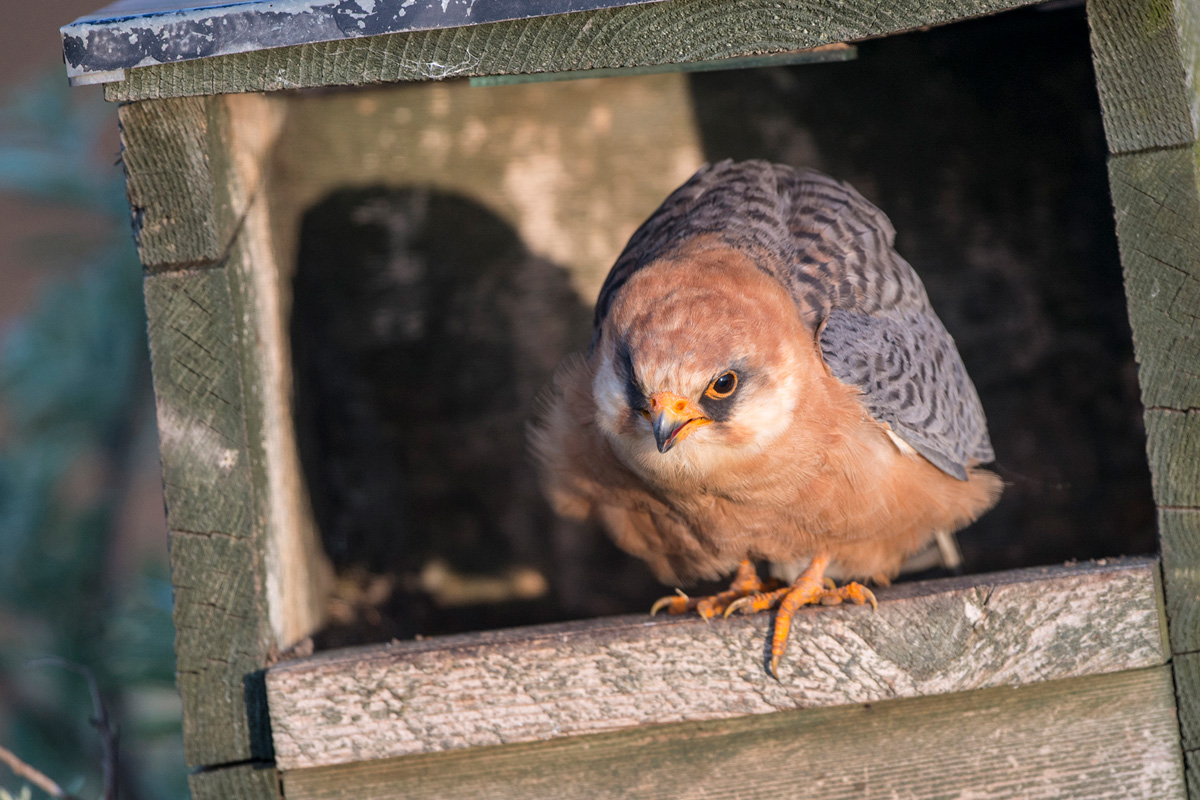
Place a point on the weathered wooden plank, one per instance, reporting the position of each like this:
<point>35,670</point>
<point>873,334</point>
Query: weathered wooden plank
<point>248,574</point>
<point>1157,201</point>
<point>128,34</point>
<point>1145,53</point>
<point>169,182</point>
<point>817,55</point>
<point>1173,441</point>
<point>220,612</point>
<point>1110,736</point>
<point>545,682</point>
<point>202,435</point>
<point>656,33</point>
<point>248,781</point>
<point>1187,694</point>
<point>1179,534</point>
<point>296,574</point>
<point>192,166</point>
<point>1187,684</point>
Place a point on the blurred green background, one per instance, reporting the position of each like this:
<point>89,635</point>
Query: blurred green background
<point>82,547</point>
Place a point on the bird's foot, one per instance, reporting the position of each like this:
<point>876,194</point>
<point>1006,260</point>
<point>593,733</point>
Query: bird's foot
<point>811,588</point>
<point>745,584</point>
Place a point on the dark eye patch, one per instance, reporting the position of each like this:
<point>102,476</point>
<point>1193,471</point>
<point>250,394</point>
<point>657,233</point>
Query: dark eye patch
<point>623,367</point>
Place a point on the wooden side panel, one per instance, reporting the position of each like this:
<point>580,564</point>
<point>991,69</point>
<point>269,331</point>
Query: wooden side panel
<point>245,584</point>
<point>296,573</point>
<point>1157,199</point>
<point>192,167</point>
<point>1158,210</point>
<point>169,182</point>
<point>1173,439</point>
<point>1111,736</point>
<point>221,627</point>
<point>1179,529</point>
<point>553,681</point>
<point>1187,676</point>
<point>251,781</point>
<point>656,33</point>
<point>1145,53</point>
<point>1187,690</point>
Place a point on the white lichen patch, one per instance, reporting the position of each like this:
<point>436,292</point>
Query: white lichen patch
<point>196,440</point>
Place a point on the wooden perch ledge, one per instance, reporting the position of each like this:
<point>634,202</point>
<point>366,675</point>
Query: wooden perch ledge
<point>544,682</point>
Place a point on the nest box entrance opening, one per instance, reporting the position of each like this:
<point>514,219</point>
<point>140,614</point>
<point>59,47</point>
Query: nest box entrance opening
<point>449,242</point>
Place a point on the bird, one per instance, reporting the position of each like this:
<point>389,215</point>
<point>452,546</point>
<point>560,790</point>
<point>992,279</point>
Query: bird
<point>766,381</point>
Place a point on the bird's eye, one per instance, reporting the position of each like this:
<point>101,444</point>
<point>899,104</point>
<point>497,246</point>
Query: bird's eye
<point>723,386</point>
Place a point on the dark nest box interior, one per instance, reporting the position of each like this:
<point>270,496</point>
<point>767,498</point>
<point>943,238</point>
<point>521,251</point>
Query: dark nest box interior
<point>449,240</point>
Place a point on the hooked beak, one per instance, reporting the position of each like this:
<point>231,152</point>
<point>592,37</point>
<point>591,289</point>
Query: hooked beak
<point>673,418</point>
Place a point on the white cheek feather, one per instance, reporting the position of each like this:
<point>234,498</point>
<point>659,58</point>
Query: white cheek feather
<point>609,396</point>
<point>769,413</point>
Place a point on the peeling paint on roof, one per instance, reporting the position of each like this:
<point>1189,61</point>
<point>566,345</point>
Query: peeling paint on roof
<point>139,33</point>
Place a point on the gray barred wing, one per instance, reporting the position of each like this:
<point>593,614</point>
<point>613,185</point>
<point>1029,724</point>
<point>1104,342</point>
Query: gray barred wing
<point>911,377</point>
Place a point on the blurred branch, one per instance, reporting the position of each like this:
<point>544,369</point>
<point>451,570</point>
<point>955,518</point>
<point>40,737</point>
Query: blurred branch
<point>33,775</point>
<point>99,720</point>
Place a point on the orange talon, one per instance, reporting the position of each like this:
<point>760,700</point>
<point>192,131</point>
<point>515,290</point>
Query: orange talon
<point>674,603</point>
<point>745,584</point>
<point>812,587</point>
<point>749,595</point>
<point>759,601</point>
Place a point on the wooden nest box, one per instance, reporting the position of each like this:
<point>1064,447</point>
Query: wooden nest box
<point>280,152</point>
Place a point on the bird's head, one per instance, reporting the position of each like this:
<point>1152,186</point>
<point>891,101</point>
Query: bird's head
<point>702,358</point>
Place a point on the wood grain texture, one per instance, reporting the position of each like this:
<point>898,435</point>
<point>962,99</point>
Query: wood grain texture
<point>250,781</point>
<point>1110,736</point>
<point>1145,54</point>
<point>169,182</point>
<point>1173,441</point>
<point>192,167</point>
<point>1179,532</point>
<point>656,33</point>
<point>244,583</point>
<point>222,633</point>
<point>1187,682</point>
<point>1157,201</point>
<point>1187,694</point>
<point>296,574</point>
<point>546,682</point>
